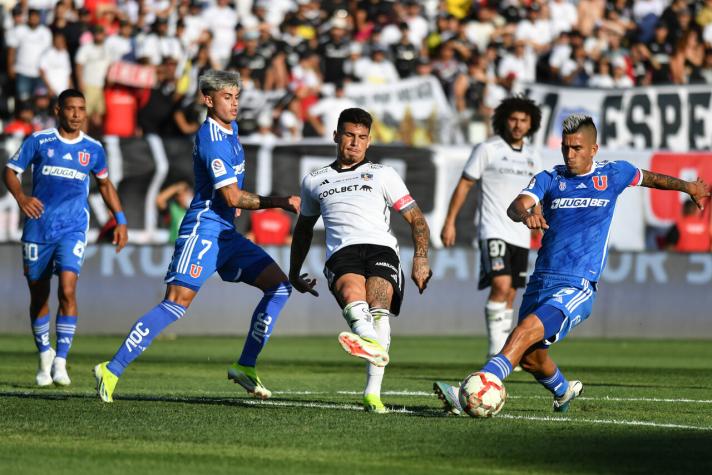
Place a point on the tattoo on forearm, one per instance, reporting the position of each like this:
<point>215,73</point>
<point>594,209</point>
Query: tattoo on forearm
<point>420,231</point>
<point>662,182</point>
<point>248,200</point>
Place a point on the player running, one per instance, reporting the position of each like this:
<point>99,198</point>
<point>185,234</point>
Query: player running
<point>578,200</point>
<point>208,243</point>
<point>503,164</point>
<point>363,269</point>
<point>54,235</point>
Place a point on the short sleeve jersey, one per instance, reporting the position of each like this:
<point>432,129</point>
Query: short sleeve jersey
<point>60,180</point>
<point>354,203</point>
<point>218,161</point>
<point>503,172</point>
<point>579,210</point>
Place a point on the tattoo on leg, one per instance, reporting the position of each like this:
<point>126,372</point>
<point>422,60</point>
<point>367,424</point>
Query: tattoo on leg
<point>379,292</point>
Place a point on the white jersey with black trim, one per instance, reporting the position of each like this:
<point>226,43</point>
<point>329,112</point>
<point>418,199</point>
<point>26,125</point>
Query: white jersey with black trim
<point>503,171</point>
<point>354,203</point>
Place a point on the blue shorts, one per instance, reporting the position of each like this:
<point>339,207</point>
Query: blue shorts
<point>40,260</point>
<point>573,296</point>
<point>197,257</point>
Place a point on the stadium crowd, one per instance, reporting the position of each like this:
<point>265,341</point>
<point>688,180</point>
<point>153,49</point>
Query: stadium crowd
<point>300,53</point>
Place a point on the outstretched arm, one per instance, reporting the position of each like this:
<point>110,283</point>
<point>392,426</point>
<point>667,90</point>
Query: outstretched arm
<point>698,189</point>
<point>449,233</point>
<point>237,198</point>
<point>524,210</point>
<point>111,199</point>
<point>301,242</point>
<point>421,273</point>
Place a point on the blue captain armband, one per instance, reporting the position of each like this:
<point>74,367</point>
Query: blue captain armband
<point>120,218</point>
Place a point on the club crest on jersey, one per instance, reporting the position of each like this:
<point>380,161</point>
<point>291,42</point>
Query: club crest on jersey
<point>600,182</point>
<point>83,158</point>
<point>195,270</point>
<point>366,176</point>
<point>50,153</point>
<point>562,185</point>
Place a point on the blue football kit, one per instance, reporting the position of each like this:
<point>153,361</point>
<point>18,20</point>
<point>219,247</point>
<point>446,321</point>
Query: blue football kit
<point>207,243</point>
<point>207,240</point>
<point>60,180</point>
<point>578,210</point>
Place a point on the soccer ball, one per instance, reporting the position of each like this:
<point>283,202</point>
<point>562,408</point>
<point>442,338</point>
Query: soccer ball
<point>482,394</point>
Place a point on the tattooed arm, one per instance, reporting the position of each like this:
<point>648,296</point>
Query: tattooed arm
<point>421,238</point>
<point>241,199</point>
<point>698,189</point>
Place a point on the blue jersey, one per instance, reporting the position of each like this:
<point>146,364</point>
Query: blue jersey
<point>60,180</point>
<point>578,210</point>
<point>218,161</point>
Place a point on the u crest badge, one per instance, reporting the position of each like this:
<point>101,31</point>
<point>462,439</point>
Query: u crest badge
<point>600,182</point>
<point>195,271</point>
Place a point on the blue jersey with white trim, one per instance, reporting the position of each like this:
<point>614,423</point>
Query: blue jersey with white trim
<point>60,180</point>
<point>218,161</point>
<point>579,210</point>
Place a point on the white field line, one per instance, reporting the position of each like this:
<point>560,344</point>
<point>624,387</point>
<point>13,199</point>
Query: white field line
<point>582,398</point>
<point>558,420</point>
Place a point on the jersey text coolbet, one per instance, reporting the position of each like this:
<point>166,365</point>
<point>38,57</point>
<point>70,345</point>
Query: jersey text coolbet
<point>345,198</point>
<point>578,210</point>
<point>60,180</point>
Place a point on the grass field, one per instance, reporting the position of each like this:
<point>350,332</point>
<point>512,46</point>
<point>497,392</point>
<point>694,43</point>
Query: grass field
<point>647,408</point>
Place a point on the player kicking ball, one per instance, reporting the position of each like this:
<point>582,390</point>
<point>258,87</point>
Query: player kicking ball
<point>54,235</point>
<point>208,243</point>
<point>577,200</point>
<point>363,270</point>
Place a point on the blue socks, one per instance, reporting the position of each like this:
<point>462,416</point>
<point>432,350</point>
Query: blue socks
<point>499,365</point>
<point>143,332</point>
<point>40,330</point>
<point>263,321</point>
<point>557,383</point>
<point>66,326</point>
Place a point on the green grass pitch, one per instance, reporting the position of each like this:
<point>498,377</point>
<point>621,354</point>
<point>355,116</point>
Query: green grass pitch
<point>647,408</point>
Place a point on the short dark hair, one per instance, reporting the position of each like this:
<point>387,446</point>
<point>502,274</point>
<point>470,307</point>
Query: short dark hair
<point>514,104</point>
<point>67,94</point>
<point>354,115</point>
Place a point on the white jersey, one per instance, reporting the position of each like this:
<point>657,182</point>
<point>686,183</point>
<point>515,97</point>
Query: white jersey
<point>354,203</point>
<point>503,173</point>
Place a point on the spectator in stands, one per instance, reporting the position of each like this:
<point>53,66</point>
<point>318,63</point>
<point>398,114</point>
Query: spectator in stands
<point>379,69</point>
<point>324,115</point>
<point>26,42</point>
<point>189,115</point>
<point>172,202</point>
<point>536,30</point>
<point>92,62</point>
<point>249,57</point>
<point>334,51</point>
<point>122,45</point>
<point>157,105</point>
<point>44,117</point>
<point>602,75</point>
<point>21,125</point>
<point>564,16</point>
<point>221,20</point>
<point>691,232</point>
<point>405,53</point>
<point>686,62</point>
<point>159,44</point>
<point>56,66</point>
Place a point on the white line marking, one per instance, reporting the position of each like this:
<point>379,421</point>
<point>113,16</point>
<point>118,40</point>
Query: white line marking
<point>602,421</point>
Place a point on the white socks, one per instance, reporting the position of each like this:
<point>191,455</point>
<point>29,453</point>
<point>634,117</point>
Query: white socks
<point>360,320</point>
<point>374,374</point>
<point>499,324</point>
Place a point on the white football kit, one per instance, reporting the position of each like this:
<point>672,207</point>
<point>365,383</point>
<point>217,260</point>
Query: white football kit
<point>503,172</point>
<point>354,203</point>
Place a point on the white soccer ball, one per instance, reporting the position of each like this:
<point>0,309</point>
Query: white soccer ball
<point>482,394</point>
